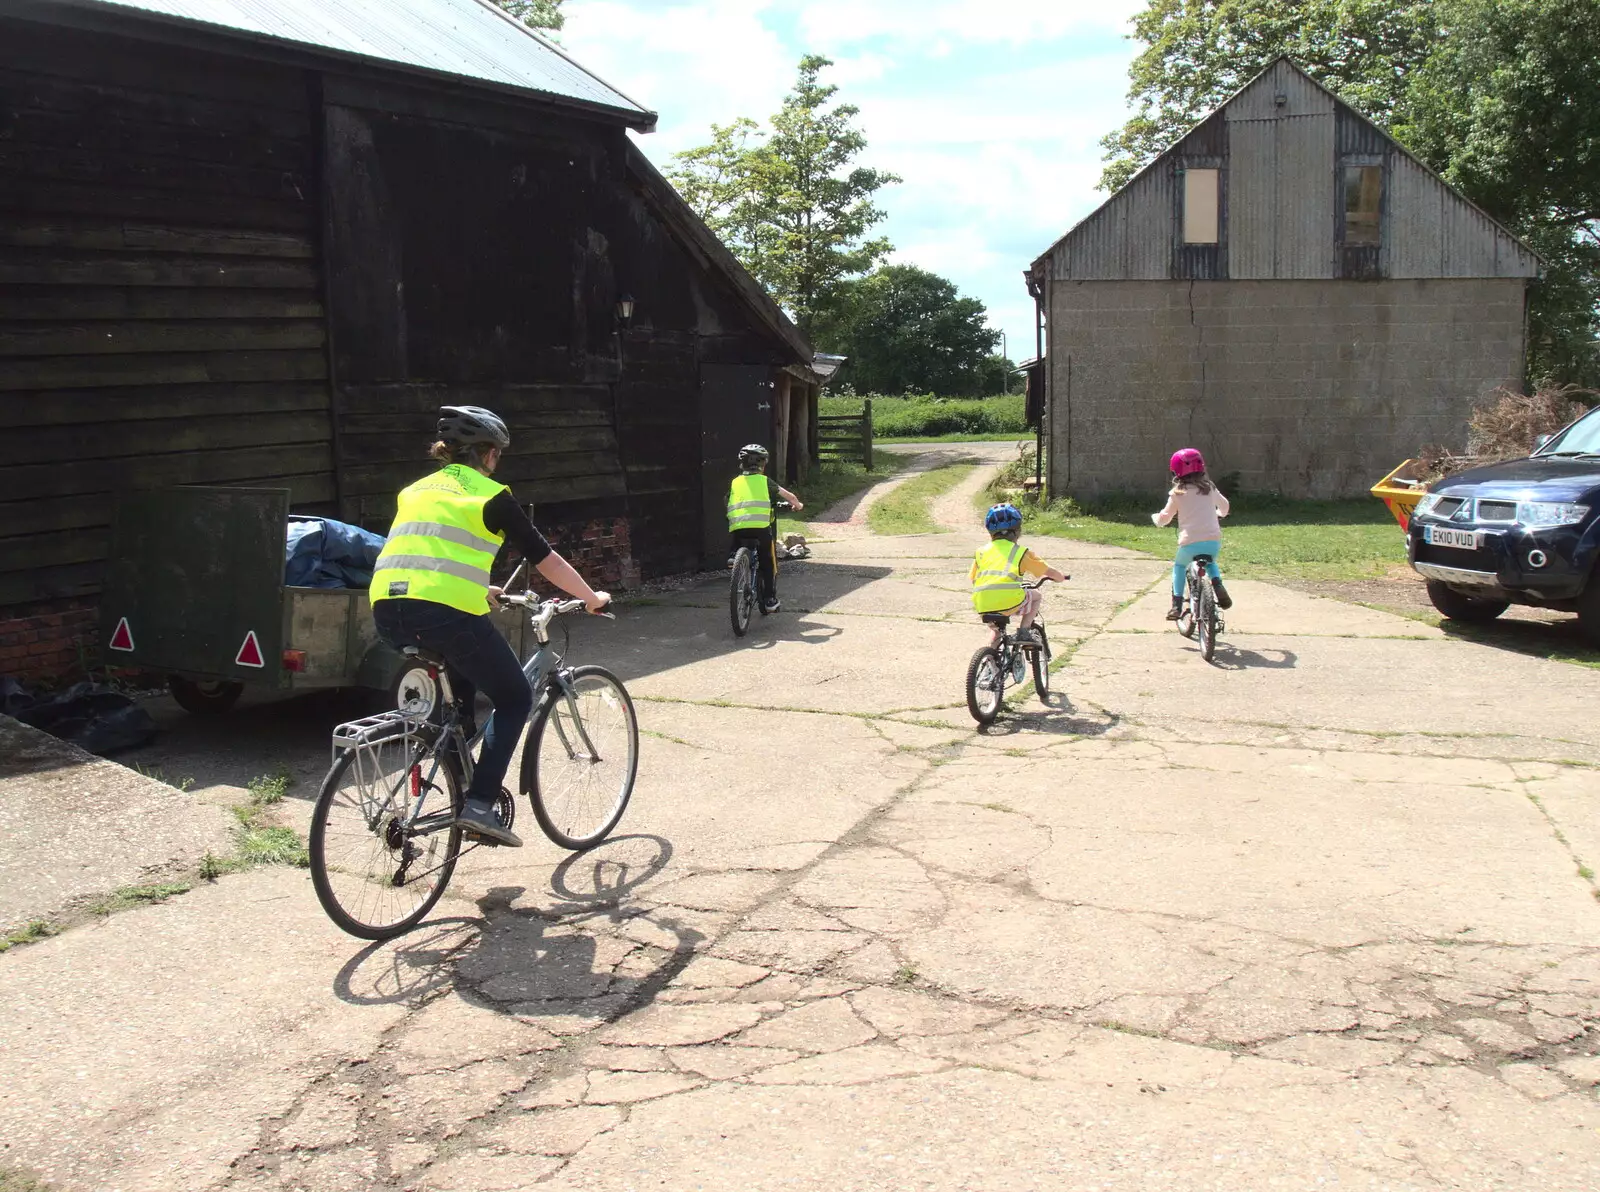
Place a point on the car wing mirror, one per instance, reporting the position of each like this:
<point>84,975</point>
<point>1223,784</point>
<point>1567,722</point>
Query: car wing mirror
<point>1541,443</point>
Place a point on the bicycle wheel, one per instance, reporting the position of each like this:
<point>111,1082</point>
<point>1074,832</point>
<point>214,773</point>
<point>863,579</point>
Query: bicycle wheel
<point>741,592</point>
<point>1206,620</point>
<point>985,684</point>
<point>578,772</point>
<point>1041,666</point>
<point>374,877</point>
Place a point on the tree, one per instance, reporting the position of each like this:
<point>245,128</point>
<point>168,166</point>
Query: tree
<point>1507,108</point>
<point>789,200</point>
<point>1499,96</point>
<point>536,14</point>
<point>906,330</point>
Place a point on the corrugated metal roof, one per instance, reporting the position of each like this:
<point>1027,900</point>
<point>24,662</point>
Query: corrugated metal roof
<point>464,39</point>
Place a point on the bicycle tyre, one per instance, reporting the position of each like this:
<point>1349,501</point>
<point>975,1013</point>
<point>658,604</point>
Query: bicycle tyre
<point>1206,621</point>
<point>986,659</point>
<point>349,919</point>
<point>555,823</point>
<point>1041,666</point>
<point>740,585</point>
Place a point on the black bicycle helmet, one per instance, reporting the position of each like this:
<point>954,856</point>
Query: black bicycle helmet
<point>752,455</point>
<point>472,426</point>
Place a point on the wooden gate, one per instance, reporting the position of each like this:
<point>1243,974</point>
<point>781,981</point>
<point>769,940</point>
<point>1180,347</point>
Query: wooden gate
<point>847,436</point>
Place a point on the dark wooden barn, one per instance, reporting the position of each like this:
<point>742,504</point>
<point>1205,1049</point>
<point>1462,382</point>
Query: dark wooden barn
<point>262,247</point>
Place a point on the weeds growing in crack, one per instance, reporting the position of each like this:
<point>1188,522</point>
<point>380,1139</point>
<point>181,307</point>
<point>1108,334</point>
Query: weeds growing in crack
<point>28,933</point>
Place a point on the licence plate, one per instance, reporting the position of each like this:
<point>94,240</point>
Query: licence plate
<point>1441,536</point>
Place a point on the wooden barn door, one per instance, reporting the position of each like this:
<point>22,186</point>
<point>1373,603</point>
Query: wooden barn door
<point>735,409</point>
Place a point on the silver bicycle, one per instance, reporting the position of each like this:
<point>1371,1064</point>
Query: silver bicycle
<point>384,838</point>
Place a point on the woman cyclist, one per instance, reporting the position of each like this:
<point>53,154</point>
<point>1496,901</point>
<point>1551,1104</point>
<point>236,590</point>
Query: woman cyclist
<point>431,589</point>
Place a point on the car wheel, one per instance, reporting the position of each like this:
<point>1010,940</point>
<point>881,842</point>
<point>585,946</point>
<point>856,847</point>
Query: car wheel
<point>1589,610</point>
<point>1458,606</point>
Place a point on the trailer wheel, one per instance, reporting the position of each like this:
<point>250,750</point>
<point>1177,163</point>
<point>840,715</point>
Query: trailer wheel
<point>204,699</point>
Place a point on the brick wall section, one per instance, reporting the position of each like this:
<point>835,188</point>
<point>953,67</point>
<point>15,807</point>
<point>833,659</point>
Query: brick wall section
<point>45,645</point>
<point>601,550</point>
<point>1306,388</point>
<point>49,643</point>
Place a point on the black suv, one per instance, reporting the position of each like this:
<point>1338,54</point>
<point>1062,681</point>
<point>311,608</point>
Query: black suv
<point>1526,531</point>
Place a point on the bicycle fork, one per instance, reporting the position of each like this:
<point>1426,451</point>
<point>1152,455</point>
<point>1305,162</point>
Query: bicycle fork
<point>563,680</point>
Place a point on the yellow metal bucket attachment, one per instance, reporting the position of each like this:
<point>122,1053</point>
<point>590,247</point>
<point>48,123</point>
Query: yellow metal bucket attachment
<point>1400,490</point>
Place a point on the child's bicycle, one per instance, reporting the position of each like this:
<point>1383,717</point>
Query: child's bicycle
<point>993,666</point>
<point>384,841</point>
<point>1199,615</point>
<point>743,599</point>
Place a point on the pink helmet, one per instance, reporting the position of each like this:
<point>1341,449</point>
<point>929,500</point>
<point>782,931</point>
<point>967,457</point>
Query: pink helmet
<point>1188,462</point>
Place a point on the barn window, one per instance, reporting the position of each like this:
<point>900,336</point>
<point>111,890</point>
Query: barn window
<point>1363,200</point>
<point>1200,206</point>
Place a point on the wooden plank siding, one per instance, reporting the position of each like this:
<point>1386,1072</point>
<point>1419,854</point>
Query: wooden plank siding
<point>161,309</point>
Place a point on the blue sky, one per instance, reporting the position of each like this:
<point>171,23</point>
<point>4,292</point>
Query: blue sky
<point>991,110</point>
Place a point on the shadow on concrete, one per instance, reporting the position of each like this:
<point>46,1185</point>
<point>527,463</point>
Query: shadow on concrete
<point>267,731</point>
<point>535,960</point>
<point>1557,641</point>
<point>1229,657</point>
<point>1057,718</point>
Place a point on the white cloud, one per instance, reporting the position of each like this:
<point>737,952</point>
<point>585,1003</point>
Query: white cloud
<point>990,110</point>
<point>943,25</point>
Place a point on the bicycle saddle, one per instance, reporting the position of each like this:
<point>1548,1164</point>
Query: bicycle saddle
<point>999,620</point>
<point>421,655</point>
<point>1202,559</point>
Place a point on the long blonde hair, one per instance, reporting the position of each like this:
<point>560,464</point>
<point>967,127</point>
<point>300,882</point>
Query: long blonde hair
<point>1198,480</point>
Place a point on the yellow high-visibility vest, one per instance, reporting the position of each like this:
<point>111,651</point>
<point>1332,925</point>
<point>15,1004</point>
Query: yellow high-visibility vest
<point>438,548</point>
<point>998,585</point>
<point>749,503</point>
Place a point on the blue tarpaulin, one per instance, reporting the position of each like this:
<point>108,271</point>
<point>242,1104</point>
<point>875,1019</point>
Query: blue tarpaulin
<point>322,553</point>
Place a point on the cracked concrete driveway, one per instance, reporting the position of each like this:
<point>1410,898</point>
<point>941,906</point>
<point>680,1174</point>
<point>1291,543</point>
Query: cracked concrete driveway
<point>1320,915</point>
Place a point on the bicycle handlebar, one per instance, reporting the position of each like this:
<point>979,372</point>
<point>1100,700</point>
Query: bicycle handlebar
<point>549,610</point>
<point>1040,582</point>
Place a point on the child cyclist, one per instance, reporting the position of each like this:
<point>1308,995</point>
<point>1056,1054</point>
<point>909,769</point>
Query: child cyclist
<point>998,568</point>
<point>753,519</point>
<point>1197,503</point>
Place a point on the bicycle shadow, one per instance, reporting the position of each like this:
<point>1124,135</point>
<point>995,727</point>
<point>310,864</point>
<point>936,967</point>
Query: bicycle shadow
<point>1231,657</point>
<point>1058,717</point>
<point>586,953</point>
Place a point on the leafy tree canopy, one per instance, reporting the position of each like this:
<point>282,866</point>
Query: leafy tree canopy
<point>1499,96</point>
<point>906,330</point>
<point>536,14</point>
<point>789,198</point>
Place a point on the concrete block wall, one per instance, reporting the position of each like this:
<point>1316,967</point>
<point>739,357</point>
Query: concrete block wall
<point>1305,388</point>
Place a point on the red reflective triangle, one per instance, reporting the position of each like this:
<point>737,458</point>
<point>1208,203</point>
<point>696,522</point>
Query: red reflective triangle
<point>250,652</point>
<point>122,637</point>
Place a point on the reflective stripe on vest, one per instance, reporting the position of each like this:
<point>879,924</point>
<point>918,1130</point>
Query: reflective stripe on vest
<point>438,548</point>
<point>997,588</point>
<point>749,503</point>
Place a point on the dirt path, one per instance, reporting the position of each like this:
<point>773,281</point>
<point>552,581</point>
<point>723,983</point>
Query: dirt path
<point>1287,920</point>
<point>848,518</point>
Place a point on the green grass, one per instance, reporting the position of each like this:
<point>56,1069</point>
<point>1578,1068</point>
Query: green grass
<point>131,896</point>
<point>12,1180</point>
<point>831,482</point>
<point>1268,538</point>
<point>908,509</point>
<point>920,416</point>
<point>38,929</point>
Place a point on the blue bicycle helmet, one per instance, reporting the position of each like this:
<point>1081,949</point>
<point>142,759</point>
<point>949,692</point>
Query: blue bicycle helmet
<point>1001,518</point>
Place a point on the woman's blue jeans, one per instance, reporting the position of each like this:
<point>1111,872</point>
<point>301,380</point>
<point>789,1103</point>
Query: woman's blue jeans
<point>1186,554</point>
<point>479,659</point>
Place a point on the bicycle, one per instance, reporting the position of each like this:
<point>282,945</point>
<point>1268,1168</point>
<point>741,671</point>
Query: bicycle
<point>1199,614</point>
<point>995,665</point>
<point>384,842</point>
<point>743,599</point>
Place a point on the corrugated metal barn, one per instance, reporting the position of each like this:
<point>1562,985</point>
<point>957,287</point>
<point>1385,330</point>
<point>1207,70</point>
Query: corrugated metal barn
<point>1287,289</point>
<point>259,242</point>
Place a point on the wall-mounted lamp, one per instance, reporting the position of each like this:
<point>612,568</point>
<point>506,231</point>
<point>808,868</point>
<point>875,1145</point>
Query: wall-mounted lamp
<point>625,309</point>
